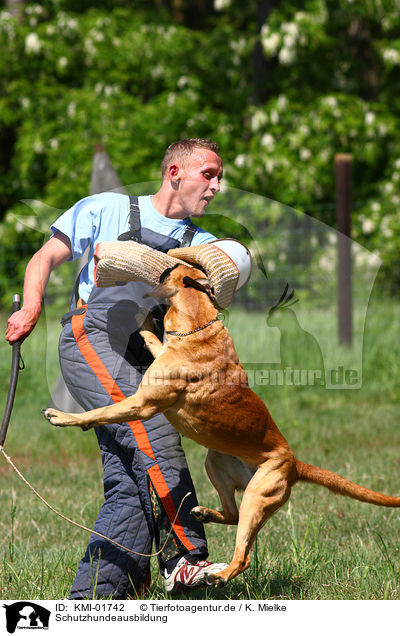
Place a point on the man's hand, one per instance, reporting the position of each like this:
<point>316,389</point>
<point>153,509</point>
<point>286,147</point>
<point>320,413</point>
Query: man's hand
<point>56,251</point>
<point>21,323</point>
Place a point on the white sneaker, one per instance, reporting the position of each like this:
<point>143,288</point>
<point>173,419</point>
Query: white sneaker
<point>189,576</point>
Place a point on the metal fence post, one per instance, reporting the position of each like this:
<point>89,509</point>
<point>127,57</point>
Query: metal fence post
<point>343,176</point>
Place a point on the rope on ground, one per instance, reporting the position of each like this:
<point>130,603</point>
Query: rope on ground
<point>78,525</point>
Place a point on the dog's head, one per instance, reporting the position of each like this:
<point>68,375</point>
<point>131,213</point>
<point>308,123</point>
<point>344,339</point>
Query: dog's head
<point>176,278</point>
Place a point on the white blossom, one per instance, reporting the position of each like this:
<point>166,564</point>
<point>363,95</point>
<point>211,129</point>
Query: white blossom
<point>305,154</point>
<point>274,116</point>
<point>271,42</point>
<point>364,258</point>
<point>289,41</point>
<point>191,94</point>
<point>7,24</point>
<point>63,62</point>
<point>368,226</point>
<point>98,36</point>
<point>369,118</point>
<point>303,130</point>
<point>286,56</point>
<point>38,146</point>
<point>71,110</point>
<point>90,47</point>
<point>290,28</point>
<point>32,43</point>
<point>238,45</point>
<point>392,56</point>
<point>332,238</point>
<point>182,81</point>
<point>37,9</point>
<point>387,231</point>
<point>258,120</point>
<point>326,263</point>
<point>388,187</point>
<point>269,166</point>
<point>282,102</point>
<point>267,141</point>
<point>240,161</point>
<point>325,154</point>
<point>66,23</point>
<point>330,101</point>
<point>157,71</point>
<point>220,5</point>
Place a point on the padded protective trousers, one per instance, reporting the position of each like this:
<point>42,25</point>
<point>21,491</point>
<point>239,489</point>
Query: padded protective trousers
<point>103,358</point>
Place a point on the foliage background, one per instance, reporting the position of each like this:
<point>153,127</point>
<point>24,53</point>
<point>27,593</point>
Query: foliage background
<point>282,86</point>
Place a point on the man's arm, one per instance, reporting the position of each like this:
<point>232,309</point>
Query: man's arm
<point>56,251</point>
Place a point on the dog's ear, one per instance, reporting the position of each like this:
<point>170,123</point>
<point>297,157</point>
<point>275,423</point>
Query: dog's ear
<point>167,272</point>
<point>162,291</point>
<point>201,284</point>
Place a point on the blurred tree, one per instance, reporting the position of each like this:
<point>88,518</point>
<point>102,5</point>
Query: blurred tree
<point>282,86</point>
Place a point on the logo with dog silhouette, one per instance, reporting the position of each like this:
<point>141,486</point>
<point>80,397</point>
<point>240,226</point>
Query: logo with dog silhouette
<point>26,615</point>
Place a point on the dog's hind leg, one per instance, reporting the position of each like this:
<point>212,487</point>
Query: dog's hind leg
<point>227,474</point>
<point>266,492</point>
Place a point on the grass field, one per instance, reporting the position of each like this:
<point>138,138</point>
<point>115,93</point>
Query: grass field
<point>318,546</point>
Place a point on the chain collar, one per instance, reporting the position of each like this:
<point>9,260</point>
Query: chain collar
<point>188,333</point>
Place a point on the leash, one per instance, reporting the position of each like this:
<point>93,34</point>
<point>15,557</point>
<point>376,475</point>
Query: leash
<point>82,527</point>
<point>15,368</point>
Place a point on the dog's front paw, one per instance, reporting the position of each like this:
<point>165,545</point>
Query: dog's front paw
<point>58,418</point>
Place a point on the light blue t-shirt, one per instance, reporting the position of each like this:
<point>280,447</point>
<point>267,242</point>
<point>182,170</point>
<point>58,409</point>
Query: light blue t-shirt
<point>103,217</point>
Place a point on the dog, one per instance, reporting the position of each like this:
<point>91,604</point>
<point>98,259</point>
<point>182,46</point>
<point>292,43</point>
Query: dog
<point>205,395</point>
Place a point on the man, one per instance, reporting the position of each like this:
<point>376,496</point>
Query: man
<point>103,358</point>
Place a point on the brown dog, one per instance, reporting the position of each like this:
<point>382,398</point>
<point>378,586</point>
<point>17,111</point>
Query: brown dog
<point>197,380</point>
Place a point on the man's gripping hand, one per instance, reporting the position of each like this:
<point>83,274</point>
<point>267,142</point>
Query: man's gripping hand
<point>21,323</point>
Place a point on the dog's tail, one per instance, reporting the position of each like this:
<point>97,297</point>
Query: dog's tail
<point>341,486</point>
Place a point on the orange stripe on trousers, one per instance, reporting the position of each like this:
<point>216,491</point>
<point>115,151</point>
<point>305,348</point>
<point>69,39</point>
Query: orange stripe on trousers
<point>137,428</point>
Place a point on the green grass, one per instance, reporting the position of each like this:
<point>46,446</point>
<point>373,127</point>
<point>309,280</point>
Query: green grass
<point>318,546</point>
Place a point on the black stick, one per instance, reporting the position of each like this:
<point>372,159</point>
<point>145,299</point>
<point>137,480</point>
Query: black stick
<point>13,378</point>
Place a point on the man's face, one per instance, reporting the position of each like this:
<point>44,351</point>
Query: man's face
<point>199,181</point>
